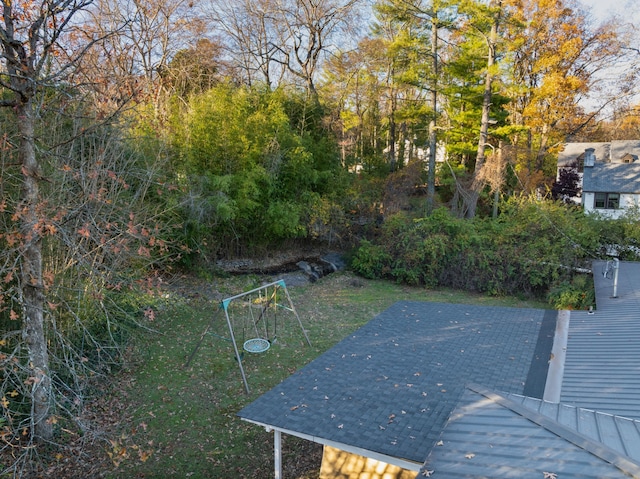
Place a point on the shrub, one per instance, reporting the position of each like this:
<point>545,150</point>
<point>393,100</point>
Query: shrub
<point>575,294</point>
<point>532,246</point>
<point>249,178</point>
<point>371,261</point>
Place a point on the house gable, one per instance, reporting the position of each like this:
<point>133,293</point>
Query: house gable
<point>629,158</point>
<point>609,175</point>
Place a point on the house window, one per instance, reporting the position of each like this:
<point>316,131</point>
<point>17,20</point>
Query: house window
<point>609,201</point>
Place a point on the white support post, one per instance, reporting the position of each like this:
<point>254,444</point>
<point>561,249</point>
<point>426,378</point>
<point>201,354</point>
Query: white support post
<point>277,454</point>
<point>616,268</point>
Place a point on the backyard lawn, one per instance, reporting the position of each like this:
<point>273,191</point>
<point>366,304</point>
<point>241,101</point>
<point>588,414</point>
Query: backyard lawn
<point>161,419</point>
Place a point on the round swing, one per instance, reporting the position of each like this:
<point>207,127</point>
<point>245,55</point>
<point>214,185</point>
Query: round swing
<point>260,344</point>
<point>256,345</point>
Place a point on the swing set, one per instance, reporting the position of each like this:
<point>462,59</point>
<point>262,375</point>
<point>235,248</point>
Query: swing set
<point>257,309</point>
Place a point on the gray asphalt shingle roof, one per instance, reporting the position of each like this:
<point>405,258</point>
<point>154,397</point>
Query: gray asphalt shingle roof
<point>612,177</point>
<point>401,383</point>
<point>613,151</point>
<point>390,386</point>
<point>620,148</point>
<point>572,151</point>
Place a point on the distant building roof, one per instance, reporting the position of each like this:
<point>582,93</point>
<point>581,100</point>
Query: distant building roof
<point>573,152</point>
<point>612,177</point>
<point>620,148</point>
<point>608,152</point>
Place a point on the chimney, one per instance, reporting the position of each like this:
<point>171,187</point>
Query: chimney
<point>589,157</point>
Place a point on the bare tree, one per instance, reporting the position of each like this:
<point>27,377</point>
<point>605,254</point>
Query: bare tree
<point>143,35</point>
<point>249,29</point>
<point>271,38</point>
<point>309,27</point>
<point>68,217</point>
<point>33,58</point>
<point>139,38</point>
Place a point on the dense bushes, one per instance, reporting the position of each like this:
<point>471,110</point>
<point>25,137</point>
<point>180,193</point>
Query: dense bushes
<point>535,248</point>
<point>250,176</point>
<point>575,294</point>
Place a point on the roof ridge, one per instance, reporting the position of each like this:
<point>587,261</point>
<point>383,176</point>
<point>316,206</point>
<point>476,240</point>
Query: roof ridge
<point>566,404</point>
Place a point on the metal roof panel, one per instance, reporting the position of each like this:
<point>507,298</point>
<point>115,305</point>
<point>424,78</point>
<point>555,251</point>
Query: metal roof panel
<point>602,366</point>
<point>521,443</point>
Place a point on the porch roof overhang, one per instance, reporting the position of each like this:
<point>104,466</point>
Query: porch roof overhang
<point>395,461</point>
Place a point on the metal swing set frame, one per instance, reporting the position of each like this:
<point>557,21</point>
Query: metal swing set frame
<point>257,344</point>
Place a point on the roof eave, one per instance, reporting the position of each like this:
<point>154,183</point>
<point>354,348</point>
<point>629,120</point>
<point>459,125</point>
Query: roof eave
<point>394,461</point>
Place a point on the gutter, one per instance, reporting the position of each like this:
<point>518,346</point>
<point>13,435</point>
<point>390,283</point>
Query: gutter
<point>553,386</point>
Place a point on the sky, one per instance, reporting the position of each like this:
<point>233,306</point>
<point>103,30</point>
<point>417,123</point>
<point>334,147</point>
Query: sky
<point>603,8</point>
<point>627,11</point>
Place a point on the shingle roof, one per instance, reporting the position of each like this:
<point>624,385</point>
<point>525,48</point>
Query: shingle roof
<point>572,151</point>
<point>390,386</point>
<point>606,152</point>
<point>620,148</point>
<point>612,177</point>
<point>396,386</point>
<point>586,434</point>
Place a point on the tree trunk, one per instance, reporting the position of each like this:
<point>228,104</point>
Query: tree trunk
<point>433,138</point>
<point>498,181</point>
<point>31,279</point>
<point>477,182</point>
<point>542,151</point>
<point>392,133</point>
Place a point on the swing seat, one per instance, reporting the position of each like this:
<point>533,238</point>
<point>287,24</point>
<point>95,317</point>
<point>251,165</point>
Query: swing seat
<point>256,345</point>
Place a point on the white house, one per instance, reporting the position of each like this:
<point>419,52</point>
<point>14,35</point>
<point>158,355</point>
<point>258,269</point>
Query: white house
<point>610,174</point>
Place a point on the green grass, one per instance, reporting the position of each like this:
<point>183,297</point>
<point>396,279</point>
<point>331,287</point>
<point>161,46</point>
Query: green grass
<point>181,422</point>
